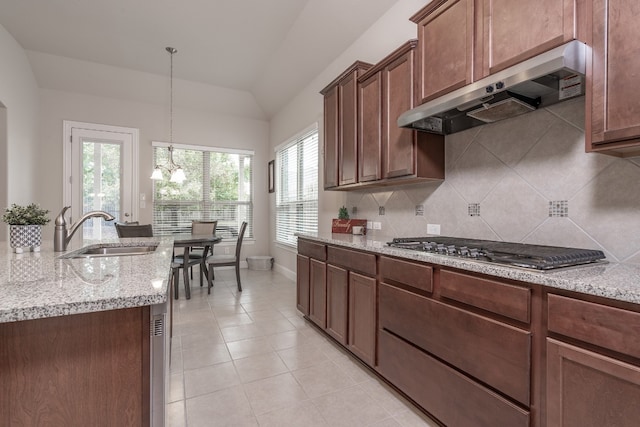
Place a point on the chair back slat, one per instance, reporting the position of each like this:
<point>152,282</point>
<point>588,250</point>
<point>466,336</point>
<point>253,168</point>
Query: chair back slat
<point>134,230</point>
<point>243,227</point>
<point>203,227</point>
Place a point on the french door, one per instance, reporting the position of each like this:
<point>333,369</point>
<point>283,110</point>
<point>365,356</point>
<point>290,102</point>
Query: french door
<point>101,172</point>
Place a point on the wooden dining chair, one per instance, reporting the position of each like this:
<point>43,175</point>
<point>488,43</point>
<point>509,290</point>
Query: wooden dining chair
<point>134,230</point>
<point>201,227</point>
<point>227,261</point>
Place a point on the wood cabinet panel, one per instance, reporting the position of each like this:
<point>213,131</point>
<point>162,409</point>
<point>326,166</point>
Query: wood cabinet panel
<point>312,249</point>
<point>318,293</point>
<point>77,370</point>
<point>302,284</point>
<point>348,136</point>
<point>598,324</point>
<point>331,137</point>
<point>445,393</point>
<point>613,113</point>
<point>491,295</point>
<point>412,274</point>
<point>353,260</point>
<point>587,389</point>
<point>493,352</point>
<point>370,128</point>
<point>515,31</point>
<point>362,317</point>
<point>446,35</point>
<point>337,303</point>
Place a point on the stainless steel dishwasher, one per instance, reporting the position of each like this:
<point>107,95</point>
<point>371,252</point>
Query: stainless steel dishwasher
<point>159,352</point>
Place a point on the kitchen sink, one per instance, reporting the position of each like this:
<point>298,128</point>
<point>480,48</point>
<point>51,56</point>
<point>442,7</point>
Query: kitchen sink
<point>110,251</point>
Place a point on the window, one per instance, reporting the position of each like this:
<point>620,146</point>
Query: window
<point>219,186</point>
<point>297,187</point>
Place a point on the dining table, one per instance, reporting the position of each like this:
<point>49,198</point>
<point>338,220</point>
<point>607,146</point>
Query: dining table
<point>187,241</point>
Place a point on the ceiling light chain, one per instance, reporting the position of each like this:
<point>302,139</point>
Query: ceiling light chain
<point>176,172</point>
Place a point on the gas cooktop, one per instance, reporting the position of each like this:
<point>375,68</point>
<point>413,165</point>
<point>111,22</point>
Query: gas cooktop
<point>537,257</point>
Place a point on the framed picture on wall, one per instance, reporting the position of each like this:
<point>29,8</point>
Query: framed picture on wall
<point>272,172</point>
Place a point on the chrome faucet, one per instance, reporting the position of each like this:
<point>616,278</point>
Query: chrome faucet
<point>61,236</point>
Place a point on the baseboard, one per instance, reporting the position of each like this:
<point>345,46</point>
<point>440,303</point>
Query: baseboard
<point>289,274</point>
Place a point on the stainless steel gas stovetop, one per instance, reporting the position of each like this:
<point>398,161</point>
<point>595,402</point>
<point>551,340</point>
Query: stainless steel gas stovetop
<point>537,257</point>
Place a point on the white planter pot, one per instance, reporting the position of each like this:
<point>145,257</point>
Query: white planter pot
<point>25,236</point>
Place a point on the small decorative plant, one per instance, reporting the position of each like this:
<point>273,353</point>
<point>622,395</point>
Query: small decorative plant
<point>343,213</point>
<point>26,215</point>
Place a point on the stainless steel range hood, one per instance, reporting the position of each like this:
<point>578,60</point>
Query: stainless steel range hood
<point>546,79</point>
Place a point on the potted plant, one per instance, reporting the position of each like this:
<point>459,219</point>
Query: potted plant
<point>343,224</point>
<point>25,226</point>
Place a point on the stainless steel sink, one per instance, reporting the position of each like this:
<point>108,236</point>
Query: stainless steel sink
<point>110,251</point>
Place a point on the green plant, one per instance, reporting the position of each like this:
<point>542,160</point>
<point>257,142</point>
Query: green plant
<point>26,215</point>
<point>343,213</point>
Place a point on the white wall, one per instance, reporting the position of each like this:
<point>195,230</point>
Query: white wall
<point>190,126</point>
<point>387,34</point>
<point>19,95</point>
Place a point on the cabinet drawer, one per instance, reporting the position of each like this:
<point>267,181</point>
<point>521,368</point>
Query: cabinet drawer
<point>445,393</point>
<point>407,273</point>
<point>312,250</point>
<point>597,324</point>
<point>497,297</point>
<point>493,352</point>
<point>353,260</point>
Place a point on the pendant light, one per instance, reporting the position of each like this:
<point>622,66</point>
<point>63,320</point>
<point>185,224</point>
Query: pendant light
<point>175,171</point>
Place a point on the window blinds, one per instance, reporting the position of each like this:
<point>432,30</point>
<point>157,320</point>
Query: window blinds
<point>297,187</point>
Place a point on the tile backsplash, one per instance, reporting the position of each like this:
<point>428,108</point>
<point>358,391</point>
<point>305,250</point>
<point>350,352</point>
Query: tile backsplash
<point>526,179</point>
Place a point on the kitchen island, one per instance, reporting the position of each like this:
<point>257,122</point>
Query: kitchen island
<point>481,344</point>
<point>76,335</point>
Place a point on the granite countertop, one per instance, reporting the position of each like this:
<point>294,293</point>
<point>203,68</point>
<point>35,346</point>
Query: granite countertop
<point>617,281</point>
<point>35,285</point>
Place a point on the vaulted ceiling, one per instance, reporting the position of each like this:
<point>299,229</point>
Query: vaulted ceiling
<point>270,48</point>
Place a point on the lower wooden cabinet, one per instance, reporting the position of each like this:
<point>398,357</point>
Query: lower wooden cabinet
<point>337,303</point>
<point>318,292</point>
<point>302,284</point>
<point>362,317</point>
<point>586,389</point>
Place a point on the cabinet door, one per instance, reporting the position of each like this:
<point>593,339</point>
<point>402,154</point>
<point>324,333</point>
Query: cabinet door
<point>318,293</point>
<point>337,303</point>
<point>370,128</point>
<point>362,317</point>
<point>399,150</point>
<point>446,37</point>
<point>517,30</point>
<point>348,136</point>
<point>613,111</point>
<point>588,389</point>
<point>331,137</point>
<point>302,284</point>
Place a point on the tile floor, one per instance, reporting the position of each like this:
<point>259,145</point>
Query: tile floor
<point>250,359</point>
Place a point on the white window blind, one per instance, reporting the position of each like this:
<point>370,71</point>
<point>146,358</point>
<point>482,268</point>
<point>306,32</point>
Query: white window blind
<point>297,187</point>
<point>219,186</point>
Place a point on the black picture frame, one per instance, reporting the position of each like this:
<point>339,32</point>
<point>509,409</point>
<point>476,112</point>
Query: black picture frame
<point>272,176</point>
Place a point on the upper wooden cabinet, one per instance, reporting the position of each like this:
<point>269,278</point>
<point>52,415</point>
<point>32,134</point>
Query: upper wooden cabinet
<point>612,108</point>
<point>340,129</point>
<point>462,41</point>
<point>385,150</point>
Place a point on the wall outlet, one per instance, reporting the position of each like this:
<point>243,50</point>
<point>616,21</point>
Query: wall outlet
<point>370,225</point>
<point>377,225</point>
<point>433,229</point>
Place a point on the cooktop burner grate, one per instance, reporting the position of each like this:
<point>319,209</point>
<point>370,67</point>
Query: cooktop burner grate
<point>537,257</point>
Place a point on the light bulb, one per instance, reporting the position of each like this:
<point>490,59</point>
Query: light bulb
<point>157,174</point>
<point>178,176</point>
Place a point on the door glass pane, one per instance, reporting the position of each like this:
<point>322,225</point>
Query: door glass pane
<point>101,186</point>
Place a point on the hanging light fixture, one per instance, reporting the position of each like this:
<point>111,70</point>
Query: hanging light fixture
<point>175,171</point>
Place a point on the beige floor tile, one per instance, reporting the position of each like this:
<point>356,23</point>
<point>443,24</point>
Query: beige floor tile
<point>176,387</point>
<point>354,368</point>
<point>387,422</point>
<point>228,407</point>
<point>391,401</point>
<point>269,314</point>
<point>275,326</point>
<point>260,366</point>
<point>321,379</point>
<point>305,414</point>
<point>288,339</point>
<point>198,357</point>
<point>225,321</point>
<point>414,418</point>
<point>270,394</point>
<point>205,337</point>
<point>209,379</point>
<point>350,407</point>
<point>176,414</point>
<point>241,332</point>
<point>302,356</point>
<point>249,347</point>
<point>176,361</point>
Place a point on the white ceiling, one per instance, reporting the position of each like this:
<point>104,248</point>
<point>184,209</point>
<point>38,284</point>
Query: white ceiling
<point>270,48</point>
